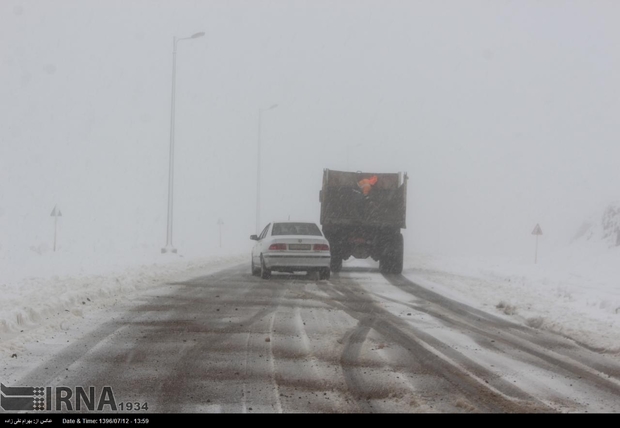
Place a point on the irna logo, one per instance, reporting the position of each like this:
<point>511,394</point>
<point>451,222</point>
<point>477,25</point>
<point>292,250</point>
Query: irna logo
<point>59,398</point>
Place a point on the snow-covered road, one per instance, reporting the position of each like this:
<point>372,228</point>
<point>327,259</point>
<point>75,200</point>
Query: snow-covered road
<point>197,338</point>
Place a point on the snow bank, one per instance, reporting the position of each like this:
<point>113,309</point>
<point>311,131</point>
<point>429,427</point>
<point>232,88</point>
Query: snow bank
<point>574,292</point>
<point>31,299</point>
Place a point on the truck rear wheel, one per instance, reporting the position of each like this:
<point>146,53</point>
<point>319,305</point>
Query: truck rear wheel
<point>335,264</point>
<point>392,259</point>
<point>399,250</point>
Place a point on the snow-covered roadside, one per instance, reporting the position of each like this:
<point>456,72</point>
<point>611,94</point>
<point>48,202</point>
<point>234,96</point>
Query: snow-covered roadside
<point>576,295</point>
<point>32,306</point>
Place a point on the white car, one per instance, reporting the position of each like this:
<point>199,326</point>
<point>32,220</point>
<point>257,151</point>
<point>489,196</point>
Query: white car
<point>290,247</point>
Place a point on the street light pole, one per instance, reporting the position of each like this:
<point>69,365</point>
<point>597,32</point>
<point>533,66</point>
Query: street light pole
<point>169,248</point>
<point>260,116</point>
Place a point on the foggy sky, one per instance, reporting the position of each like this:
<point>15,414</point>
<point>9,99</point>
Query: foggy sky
<point>503,113</point>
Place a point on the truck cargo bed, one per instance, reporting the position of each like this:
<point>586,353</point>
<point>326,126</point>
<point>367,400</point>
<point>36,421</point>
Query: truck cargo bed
<point>342,201</point>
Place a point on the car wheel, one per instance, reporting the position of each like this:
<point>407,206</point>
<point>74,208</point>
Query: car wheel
<point>264,272</point>
<point>255,271</point>
<point>324,273</point>
<point>312,274</point>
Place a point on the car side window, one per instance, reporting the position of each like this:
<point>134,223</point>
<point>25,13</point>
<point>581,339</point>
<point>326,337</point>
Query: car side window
<point>264,232</point>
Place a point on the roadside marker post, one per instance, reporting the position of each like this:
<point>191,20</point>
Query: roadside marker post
<point>537,231</point>
<point>55,213</point>
<point>220,223</point>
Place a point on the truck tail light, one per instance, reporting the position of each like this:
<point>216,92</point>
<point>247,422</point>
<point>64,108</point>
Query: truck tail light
<point>321,247</point>
<point>277,247</point>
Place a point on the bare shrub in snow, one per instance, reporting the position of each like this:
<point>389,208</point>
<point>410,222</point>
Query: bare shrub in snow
<point>535,322</point>
<point>506,308</point>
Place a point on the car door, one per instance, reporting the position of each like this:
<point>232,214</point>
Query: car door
<point>258,247</point>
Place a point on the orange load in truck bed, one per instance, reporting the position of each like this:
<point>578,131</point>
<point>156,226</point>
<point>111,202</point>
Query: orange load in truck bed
<point>367,183</point>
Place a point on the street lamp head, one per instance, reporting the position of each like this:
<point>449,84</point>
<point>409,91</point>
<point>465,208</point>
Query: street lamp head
<point>195,36</point>
<point>272,107</point>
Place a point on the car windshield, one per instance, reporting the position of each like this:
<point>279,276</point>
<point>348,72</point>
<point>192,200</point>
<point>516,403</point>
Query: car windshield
<point>296,229</point>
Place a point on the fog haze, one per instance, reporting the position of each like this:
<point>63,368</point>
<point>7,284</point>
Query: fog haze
<point>503,114</point>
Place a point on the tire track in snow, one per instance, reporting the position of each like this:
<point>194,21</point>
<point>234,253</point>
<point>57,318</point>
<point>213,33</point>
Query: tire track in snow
<point>502,396</point>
